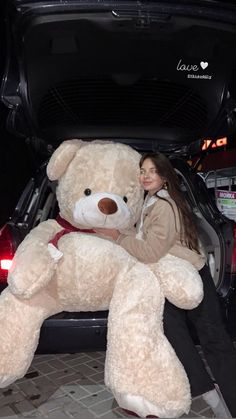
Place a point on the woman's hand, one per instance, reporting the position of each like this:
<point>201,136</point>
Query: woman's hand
<point>111,233</point>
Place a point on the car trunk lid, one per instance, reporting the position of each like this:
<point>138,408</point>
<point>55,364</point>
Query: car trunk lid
<point>146,73</point>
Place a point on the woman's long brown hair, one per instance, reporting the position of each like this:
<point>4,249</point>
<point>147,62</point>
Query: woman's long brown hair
<point>188,231</point>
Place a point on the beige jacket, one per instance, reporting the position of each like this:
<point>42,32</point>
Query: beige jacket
<point>161,235</point>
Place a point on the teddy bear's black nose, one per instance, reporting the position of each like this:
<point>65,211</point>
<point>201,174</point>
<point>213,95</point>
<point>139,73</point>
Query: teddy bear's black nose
<point>107,206</point>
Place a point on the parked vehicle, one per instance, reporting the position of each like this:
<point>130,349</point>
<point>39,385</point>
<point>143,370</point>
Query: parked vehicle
<point>155,75</point>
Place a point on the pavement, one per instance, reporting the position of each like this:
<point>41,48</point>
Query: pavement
<point>66,386</point>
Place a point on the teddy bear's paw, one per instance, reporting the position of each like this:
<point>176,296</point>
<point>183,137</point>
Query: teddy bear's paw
<point>137,416</point>
<point>143,408</point>
<point>23,292</point>
<point>129,412</point>
<point>26,287</point>
<point>32,272</point>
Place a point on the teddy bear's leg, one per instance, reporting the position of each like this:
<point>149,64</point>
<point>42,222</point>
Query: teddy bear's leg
<point>180,281</point>
<point>20,321</point>
<point>141,367</point>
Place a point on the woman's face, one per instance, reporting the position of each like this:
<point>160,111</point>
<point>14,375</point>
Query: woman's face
<point>149,179</point>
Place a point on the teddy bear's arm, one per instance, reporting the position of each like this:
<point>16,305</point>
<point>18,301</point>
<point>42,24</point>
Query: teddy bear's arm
<point>33,266</point>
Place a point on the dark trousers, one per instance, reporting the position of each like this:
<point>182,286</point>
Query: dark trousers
<point>215,342</point>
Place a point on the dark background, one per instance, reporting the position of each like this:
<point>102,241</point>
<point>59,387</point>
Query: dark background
<point>16,163</point>
<point>16,167</point>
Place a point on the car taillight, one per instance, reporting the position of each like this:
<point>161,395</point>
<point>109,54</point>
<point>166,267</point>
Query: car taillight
<point>6,252</point>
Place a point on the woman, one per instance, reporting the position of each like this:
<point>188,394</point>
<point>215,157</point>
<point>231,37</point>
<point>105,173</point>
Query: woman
<point>166,226</point>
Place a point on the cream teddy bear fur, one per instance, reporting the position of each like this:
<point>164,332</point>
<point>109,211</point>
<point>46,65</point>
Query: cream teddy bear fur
<point>84,272</point>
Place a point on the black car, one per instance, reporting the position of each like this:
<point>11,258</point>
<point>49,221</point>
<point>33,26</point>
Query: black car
<point>157,75</point>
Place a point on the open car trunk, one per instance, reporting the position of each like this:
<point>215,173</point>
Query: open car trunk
<point>160,72</point>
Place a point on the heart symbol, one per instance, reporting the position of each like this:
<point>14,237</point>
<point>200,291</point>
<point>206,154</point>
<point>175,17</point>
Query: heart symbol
<point>204,64</point>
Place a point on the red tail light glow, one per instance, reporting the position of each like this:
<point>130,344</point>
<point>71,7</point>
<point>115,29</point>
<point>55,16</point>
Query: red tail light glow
<point>6,252</point>
<point>5,264</point>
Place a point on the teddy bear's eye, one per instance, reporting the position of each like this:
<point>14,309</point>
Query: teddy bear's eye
<point>125,198</point>
<point>87,192</point>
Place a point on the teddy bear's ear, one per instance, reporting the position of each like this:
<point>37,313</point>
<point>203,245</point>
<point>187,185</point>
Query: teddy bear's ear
<point>61,157</point>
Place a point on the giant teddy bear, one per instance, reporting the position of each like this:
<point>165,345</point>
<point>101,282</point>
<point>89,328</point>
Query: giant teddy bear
<point>79,271</point>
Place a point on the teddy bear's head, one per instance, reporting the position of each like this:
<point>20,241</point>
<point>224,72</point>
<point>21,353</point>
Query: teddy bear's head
<point>97,183</point>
